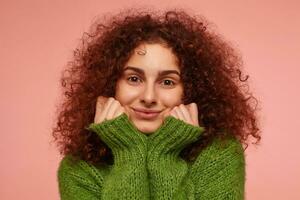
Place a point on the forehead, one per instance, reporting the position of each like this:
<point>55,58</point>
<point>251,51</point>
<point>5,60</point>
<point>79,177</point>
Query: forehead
<point>153,58</point>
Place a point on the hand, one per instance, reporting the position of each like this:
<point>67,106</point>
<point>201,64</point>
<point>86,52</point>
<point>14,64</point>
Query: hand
<point>187,113</point>
<point>126,143</point>
<point>107,108</point>
<point>173,136</point>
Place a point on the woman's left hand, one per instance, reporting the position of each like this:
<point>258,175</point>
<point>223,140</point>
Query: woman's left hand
<point>187,113</point>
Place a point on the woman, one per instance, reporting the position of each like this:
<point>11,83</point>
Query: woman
<point>154,108</point>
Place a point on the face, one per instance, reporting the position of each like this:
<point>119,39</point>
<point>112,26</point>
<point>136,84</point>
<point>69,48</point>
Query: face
<point>150,86</point>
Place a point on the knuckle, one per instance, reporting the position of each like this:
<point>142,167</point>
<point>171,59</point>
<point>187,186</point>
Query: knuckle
<point>184,107</point>
<point>117,102</point>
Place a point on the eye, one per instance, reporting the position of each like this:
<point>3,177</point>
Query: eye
<point>168,82</point>
<point>134,79</point>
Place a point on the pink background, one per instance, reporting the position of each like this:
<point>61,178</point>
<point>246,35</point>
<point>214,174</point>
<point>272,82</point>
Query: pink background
<point>37,38</point>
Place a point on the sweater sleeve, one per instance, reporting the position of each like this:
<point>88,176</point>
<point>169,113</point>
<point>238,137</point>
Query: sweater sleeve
<point>217,173</point>
<point>127,178</point>
<point>79,180</point>
<point>167,171</point>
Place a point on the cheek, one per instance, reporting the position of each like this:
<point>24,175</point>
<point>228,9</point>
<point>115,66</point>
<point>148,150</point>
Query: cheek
<point>173,98</point>
<point>125,94</point>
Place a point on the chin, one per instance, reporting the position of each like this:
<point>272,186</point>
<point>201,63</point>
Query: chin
<point>147,128</point>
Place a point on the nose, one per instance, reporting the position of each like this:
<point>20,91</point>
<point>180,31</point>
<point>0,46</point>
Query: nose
<point>149,96</point>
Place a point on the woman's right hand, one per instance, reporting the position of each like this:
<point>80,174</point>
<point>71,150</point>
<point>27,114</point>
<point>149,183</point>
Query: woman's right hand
<point>107,108</point>
<point>128,146</point>
<point>118,134</point>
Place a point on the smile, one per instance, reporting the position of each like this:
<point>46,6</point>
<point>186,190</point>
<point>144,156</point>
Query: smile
<point>145,114</point>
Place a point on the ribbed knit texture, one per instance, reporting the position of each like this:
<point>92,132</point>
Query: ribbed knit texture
<point>149,167</point>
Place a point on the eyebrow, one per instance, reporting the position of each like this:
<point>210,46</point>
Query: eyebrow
<point>160,73</point>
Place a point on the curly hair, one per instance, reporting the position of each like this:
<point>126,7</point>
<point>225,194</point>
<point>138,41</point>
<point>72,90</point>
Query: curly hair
<point>211,75</point>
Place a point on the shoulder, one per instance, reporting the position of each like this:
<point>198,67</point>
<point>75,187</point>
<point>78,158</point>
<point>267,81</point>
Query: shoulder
<point>227,147</point>
<point>77,179</point>
<point>222,153</point>
<point>69,164</point>
<point>219,170</point>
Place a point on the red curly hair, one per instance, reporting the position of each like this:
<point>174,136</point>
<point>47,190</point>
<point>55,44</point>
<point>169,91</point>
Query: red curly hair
<point>211,74</point>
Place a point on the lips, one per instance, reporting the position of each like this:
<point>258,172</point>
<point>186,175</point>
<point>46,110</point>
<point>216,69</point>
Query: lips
<point>145,113</point>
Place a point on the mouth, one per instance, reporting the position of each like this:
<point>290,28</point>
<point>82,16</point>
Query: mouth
<point>146,114</point>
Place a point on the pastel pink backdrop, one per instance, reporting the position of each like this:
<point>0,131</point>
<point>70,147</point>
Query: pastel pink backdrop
<point>37,39</point>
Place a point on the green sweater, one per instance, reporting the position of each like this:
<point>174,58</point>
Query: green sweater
<point>149,167</point>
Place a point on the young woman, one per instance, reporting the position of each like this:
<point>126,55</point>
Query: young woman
<point>154,108</point>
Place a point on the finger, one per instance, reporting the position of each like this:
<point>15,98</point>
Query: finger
<point>101,100</point>
<point>186,113</point>
<point>106,108</point>
<point>179,113</point>
<point>113,108</point>
<point>193,108</point>
<point>120,110</point>
<point>173,113</point>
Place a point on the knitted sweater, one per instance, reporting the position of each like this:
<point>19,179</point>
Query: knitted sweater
<point>149,167</point>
